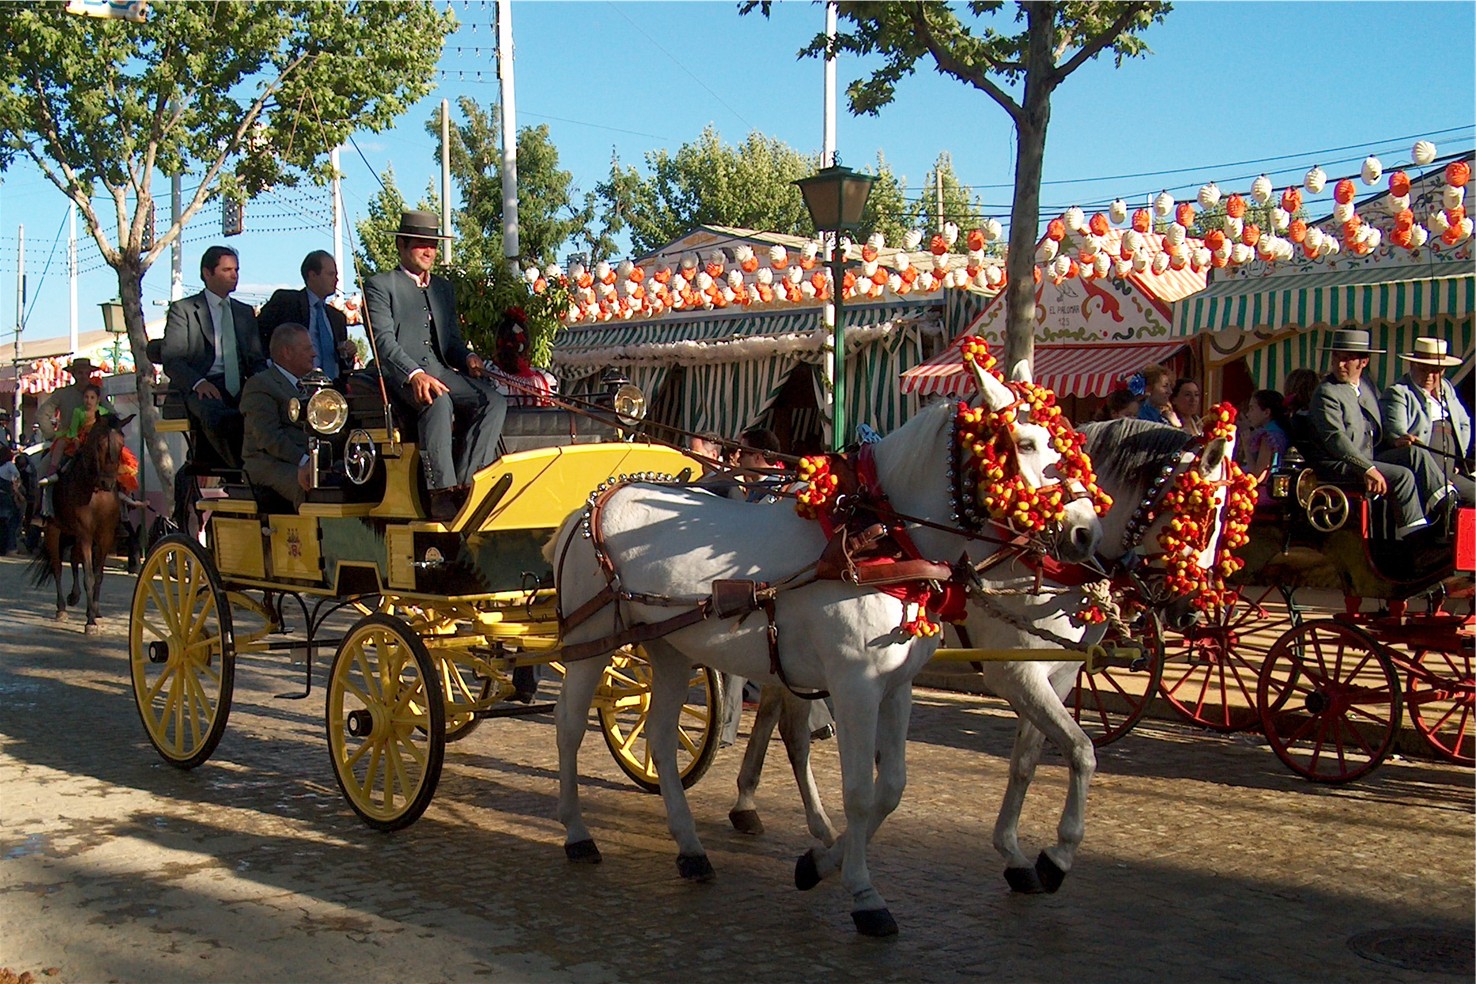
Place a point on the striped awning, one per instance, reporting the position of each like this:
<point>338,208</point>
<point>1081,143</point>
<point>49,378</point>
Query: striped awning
<point>1268,305</point>
<point>1084,369</point>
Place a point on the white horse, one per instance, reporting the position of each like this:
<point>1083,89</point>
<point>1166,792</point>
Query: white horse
<point>664,547</point>
<point>1135,460</point>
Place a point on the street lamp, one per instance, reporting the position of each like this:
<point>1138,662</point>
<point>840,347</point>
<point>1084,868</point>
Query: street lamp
<point>836,198</point>
<point>117,325</point>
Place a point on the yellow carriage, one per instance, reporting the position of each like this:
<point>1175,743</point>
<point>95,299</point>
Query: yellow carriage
<point>444,614</point>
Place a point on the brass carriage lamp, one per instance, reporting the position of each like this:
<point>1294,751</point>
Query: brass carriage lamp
<point>836,199</point>
<point>117,326</point>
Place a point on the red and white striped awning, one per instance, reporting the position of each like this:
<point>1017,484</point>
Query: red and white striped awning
<point>1077,369</point>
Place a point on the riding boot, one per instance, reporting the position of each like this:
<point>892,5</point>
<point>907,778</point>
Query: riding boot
<point>48,506</point>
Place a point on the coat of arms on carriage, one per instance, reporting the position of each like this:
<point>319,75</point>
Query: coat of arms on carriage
<point>294,544</point>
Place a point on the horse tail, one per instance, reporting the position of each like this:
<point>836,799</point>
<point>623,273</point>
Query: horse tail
<point>39,569</point>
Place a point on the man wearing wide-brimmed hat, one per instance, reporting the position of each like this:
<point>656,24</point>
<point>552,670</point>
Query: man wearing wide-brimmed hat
<point>1422,412</point>
<point>1346,419</point>
<point>56,410</point>
<point>419,346</point>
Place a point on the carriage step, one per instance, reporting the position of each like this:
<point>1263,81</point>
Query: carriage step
<point>515,710</point>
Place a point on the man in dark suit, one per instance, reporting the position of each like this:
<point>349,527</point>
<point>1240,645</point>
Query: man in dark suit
<point>211,347</point>
<point>412,315</point>
<point>327,326</point>
<point>1346,418</point>
<point>275,451</point>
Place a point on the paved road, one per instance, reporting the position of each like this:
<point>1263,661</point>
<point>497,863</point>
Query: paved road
<point>1204,859</point>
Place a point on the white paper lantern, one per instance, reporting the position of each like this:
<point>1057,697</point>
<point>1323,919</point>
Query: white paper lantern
<point>1280,219</point>
<point>1223,253</point>
<point>1178,251</point>
<point>1240,253</point>
<point>1164,205</point>
<point>1314,239</point>
<point>1395,204</point>
<point>1102,264</point>
<point>1122,268</point>
<point>1437,221</point>
<point>1118,211</point>
<point>1331,246</point>
<point>1423,152</point>
<point>1062,266</point>
<point>1090,246</point>
<point>1373,169</point>
<point>1075,219</point>
<point>1452,197</point>
<point>765,276</point>
<point>1160,263</point>
<point>1132,241</point>
<point>1175,234</point>
<point>993,276</point>
<point>1418,236</point>
<point>1261,190</point>
<point>1374,237</point>
<point>950,233</point>
<point>1234,228</point>
<point>1046,251</point>
<point>1201,257</point>
<point>913,239</point>
<point>993,230</point>
<point>1140,262</point>
<point>1209,195</point>
<point>1342,212</point>
<point>1315,180</point>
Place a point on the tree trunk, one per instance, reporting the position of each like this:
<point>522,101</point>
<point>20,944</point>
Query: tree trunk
<point>130,290</point>
<point>1030,138</point>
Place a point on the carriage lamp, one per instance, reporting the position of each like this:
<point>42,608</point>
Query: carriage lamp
<point>630,405</point>
<point>327,411</point>
<point>836,199</point>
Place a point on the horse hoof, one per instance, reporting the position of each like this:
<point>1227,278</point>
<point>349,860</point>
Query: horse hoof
<point>806,872</point>
<point>1051,876</point>
<point>90,629</point>
<point>60,616</point>
<point>583,852</point>
<point>874,922</point>
<point>1024,880</point>
<point>695,867</point>
<point>746,821</point>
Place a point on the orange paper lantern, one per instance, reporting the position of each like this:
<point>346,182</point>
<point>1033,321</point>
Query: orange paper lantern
<point>1142,221</point>
<point>1291,200</point>
<point>1457,173</point>
<point>1399,184</point>
<point>1098,225</point>
<point>1235,207</point>
<point>1297,230</point>
<point>1344,192</point>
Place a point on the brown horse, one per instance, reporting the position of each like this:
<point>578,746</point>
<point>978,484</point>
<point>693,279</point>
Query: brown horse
<point>86,514</point>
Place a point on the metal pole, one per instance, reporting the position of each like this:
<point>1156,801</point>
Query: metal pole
<point>511,248</point>
<point>338,222</point>
<point>176,252</point>
<point>72,273</point>
<point>838,344</point>
<point>20,312</point>
<point>830,314</point>
<point>446,180</point>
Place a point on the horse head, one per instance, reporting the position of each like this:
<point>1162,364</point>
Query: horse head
<point>101,452</point>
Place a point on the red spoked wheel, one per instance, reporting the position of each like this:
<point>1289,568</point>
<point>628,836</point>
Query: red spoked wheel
<point>1329,701</point>
<point>1441,695</point>
<point>1107,704</point>
<point>1210,671</point>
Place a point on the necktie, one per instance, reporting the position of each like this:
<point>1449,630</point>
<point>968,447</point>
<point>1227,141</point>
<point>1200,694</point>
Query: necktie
<point>228,348</point>
<point>323,339</point>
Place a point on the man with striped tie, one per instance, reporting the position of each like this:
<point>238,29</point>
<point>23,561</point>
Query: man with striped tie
<point>327,326</point>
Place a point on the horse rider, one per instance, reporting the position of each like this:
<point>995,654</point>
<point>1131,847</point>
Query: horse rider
<point>327,326</point>
<point>211,347</point>
<point>275,452</point>
<point>55,413</point>
<point>412,314</point>
<point>1422,412</point>
<point>1348,425</point>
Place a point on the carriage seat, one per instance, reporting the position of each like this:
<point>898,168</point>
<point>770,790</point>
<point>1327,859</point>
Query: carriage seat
<point>171,404</point>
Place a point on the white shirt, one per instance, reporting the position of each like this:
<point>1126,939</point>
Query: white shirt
<point>214,300</point>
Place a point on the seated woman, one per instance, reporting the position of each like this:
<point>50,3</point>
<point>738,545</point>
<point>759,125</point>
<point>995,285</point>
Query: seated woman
<point>66,444</point>
<point>1184,399</point>
<point>1262,450</point>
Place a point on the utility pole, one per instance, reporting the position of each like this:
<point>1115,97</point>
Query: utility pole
<point>20,313</point>
<point>511,248</point>
<point>834,361</point>
<point>445,180</point>
<point>343,272</point>
<point>938,180</point>
<point>72,275</point>
<point>176,252</point>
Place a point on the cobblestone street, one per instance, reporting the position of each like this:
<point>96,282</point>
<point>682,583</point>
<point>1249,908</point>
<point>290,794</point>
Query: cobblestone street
<point>1205,859</point>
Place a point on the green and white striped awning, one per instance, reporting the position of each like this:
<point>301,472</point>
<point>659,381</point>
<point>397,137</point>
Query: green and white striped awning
<point>1267,306</point>
<point>1269,364</point>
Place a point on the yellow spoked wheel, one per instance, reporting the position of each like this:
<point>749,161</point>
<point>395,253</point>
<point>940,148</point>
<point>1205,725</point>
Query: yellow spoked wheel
<point>180,652</point>
<point>465,692</point>
<point>386,722</point>
<point>624,699</point>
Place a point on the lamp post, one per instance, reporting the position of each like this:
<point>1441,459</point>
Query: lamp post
<point>836,198</point>
<point>117,326</point>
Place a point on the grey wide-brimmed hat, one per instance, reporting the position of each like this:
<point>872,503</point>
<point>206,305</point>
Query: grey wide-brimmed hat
<point>1431,352</point>
<point>421,225</point>
<point>81,367</point>
<point>1355,340</point>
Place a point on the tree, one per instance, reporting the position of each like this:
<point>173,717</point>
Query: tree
<point>548,218</point>
<point>1019,71</point>
<point>958,206</point>
<point>376,248</point>
<point>239,96</point>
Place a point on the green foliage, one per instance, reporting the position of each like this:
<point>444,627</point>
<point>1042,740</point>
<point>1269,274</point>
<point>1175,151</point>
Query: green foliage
<point>483,296</point>
<point>375,251</point>
<point>548,218</point>
<point>959,207</point>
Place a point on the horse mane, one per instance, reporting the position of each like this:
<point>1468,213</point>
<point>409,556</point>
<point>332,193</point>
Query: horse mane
<point>921,430</point>
<point>1129,453</point>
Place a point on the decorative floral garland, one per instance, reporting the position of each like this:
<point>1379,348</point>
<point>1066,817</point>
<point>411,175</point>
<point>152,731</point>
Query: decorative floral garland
<point>1192,503</point>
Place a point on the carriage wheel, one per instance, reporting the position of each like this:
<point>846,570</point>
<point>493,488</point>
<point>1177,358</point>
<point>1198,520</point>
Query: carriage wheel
<point>1210,671</point>
<point>180,652</point>
<point>624,699</point>
<point>1329,701</point>
<point>386,722</point>
<point>1107,704</point>
<point>465,692</point>
<point>1441,695</point>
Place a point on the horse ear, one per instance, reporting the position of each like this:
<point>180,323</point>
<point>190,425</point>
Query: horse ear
<point>1021,372</point>
<point>996,395</point>
<point>1213,456</point>
<point>124,422</point>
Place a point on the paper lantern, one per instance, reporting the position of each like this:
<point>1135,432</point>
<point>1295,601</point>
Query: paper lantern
<point>1099,225</point>
<point>1342,212</point>
<point>1209,195</point>
<point>1297,231</point>
<point>1056,230</point>
<point>1122,268</point>
<point>1437,221</point>
<point>1398,183</point>
<point>938,246</point>
<point>1345,191</point>
<point>1062,266</point>
<point>1372,170</point>
<point>913,238</point>
<point>1279,219</point>
<point>1201,257</point>
<point>1140,262</point>
<point>1466,226</point>
<point>1394,204</point>
<point>1291,200</point>
<point>1373,238</point>
<point>1418,236</point>
<point>1234,228</point>
<point>1423,152</point>
<point>1404,220</point>
<point>1142,221</point>
<point>1102,264</point>
<point>1261,190</point>
<point>1235,207</point>
<point>1214,239</point>
<point>1315,180</point>
<point>1452,196</point>
<point>1251,234</point>
<point>1175,234</point>
<point>1075,219</point>
<point>1457,173</point>
<point>1118,211</point>
<point>1184,214</point>
<point>993,275</point>
<point>976,240</point>
<point>993,230</point>
<point>1241,253</point>
<point>1163,205</point>
<point>1046,251</point>
<point>1160,263</point>
<point>950,233</point>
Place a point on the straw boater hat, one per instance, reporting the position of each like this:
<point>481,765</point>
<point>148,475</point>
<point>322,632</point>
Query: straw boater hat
<point>1431,352</point>
<point>81,368</point>
<point>420,225</point>
<point>1355,340</point>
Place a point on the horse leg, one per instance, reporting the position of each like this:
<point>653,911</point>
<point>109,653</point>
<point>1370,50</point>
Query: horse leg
<point>794,726</point>
<point>75,595</point>
<point>53,550</point>
<point>1024,757</point>
<point>744,814</point>
<point>670,673</point>
<point>571,720</point>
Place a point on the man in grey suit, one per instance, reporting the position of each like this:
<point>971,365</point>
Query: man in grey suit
<point>412,315</point>
<point>1423,412</point>
<point>327,326</point>
<point>275,451</point>
<point>211,347</point>
<point>1345,416</point>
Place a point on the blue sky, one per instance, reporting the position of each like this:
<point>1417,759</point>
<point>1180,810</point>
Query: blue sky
<point>1230,90</point>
